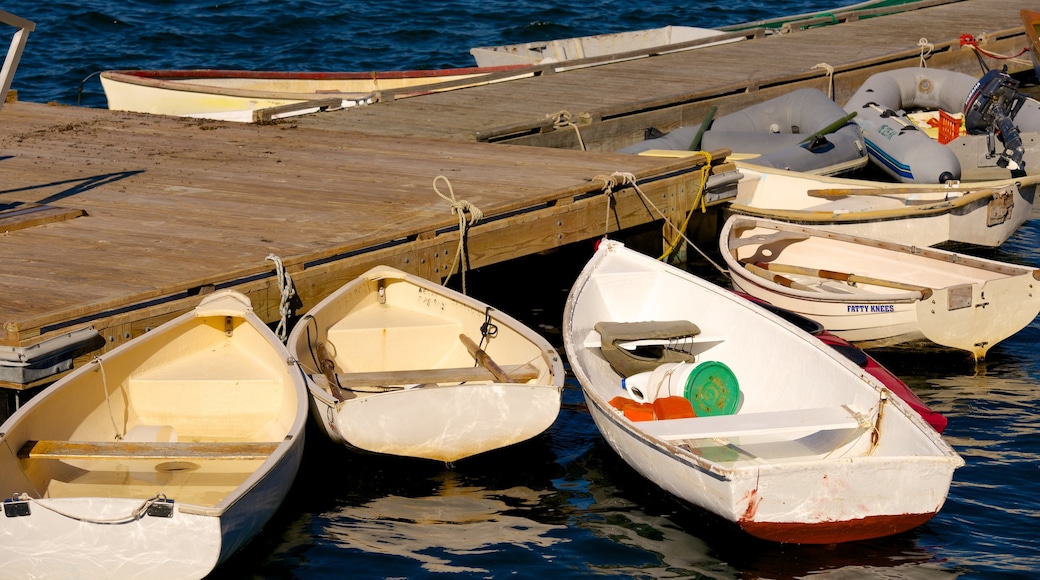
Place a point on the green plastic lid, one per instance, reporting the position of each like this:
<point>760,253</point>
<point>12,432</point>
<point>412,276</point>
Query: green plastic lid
<point>712,389</point>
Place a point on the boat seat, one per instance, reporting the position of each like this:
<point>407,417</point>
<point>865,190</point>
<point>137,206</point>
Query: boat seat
<point>764,239</point>
<point>131,450</point>
<point>519,373</point>
<point>762,423</point>
<point>666,339</point>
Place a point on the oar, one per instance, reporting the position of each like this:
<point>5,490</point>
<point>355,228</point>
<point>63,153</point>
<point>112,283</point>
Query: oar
<point>482,357</point>
<point>776,278</point>
<point>829,128</point>
<point>844,277</point>
<point>696,143</point>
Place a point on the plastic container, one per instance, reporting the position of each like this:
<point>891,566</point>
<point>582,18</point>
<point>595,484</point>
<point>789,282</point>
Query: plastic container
<point>710,387</point>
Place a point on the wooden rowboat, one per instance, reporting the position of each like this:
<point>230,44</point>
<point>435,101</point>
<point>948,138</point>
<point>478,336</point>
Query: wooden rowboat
<point>875,293</point>
<point>789,440</point>
<point>399,365</point>
<point>255,96</point>
<point>158,459</point>
<point>984,213</point>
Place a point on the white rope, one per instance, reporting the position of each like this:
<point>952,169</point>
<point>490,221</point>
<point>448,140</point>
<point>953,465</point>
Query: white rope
<point>459,208</point>
<point>926,50</point>
<point>562,120</point>
<point>134,515</point>
<point>830,78</point>
<point>108,402</point>
<point>287,291</point>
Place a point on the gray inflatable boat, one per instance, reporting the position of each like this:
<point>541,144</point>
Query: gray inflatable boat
<point>800,131</point>
<point>896,145</point>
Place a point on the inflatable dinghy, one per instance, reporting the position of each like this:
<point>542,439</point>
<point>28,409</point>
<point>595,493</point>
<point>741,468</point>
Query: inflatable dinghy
<point>801,131</point>
<point>991,105</point>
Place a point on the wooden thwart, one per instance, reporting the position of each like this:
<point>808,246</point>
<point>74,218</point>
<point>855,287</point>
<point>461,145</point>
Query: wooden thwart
<point>517,374</point>
<point>765,423</point>
<point>146,450</point>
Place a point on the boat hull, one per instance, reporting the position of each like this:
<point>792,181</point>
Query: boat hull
<point>778,477</point>
<point>208,413</point>
<point>761,503</point>
<point>873,293</point>
<point>980,214</point>
<point>236,95</point>
<point>439,422</point>
<point>395,376</point>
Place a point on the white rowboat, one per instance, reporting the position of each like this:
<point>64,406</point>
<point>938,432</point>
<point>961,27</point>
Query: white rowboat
<point>875,293</point>
<point>816,451</point>
<point>392,366</point>
<point>160,458</point>
<point>253,96</point>
<point>984,213</point>
<point>612,46</point>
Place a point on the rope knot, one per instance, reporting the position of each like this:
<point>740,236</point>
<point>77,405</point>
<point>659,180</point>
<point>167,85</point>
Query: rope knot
<point>562,120</point>
<point>459,207</point>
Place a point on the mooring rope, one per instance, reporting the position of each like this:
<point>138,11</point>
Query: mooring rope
<point>926,50</point>
<point>875,433</point>
<point>620,179</point>
<point>562,120</point>
<point>973,43</point>
<point>830,78</point>
<point>108,402</point>
<point>287,291</point>
<point>134,515</point>
<point>459,207</point>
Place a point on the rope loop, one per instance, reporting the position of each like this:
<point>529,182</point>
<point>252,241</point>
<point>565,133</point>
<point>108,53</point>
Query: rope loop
<point>287,291</point>
<point>562,120</point>
<point>926,50</point>
<point>830,78</point>
<point>459,208</point>
<point>488,330</point>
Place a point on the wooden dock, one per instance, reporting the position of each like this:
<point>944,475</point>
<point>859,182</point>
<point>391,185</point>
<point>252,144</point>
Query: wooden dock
<point>116,222</point>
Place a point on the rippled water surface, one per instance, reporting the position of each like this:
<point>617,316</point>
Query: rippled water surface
<point>562,505</point>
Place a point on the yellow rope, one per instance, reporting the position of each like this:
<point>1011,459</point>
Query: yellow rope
<point>705,172</point>
<point>459,208</point>
<point>562,120</point>
<point>620,179</point>
<point>875,433</point>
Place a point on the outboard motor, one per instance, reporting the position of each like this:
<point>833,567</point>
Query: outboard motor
<point>990,109</point>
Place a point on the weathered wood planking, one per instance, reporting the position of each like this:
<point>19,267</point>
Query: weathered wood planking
<point>176,207</point>
<point>669,90</point>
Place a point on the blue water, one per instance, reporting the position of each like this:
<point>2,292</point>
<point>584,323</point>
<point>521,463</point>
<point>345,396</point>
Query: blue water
<point>562,505</point>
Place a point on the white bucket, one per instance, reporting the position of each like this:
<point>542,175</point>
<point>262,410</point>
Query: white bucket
<point>667,380</point>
